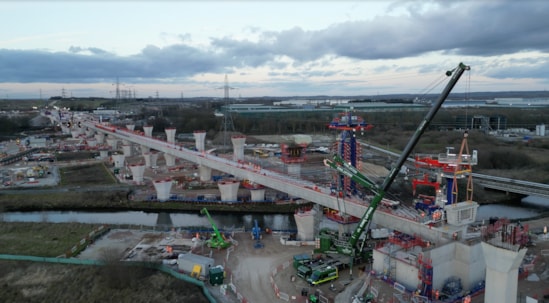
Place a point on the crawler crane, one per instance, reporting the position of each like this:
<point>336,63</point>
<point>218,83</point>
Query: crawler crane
<point>348,170</point>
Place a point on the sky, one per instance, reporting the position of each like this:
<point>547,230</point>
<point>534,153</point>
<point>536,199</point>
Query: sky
<point>185,49</point>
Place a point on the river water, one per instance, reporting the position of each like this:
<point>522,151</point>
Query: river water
<point>528,208</point>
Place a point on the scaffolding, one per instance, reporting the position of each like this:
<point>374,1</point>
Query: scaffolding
<point>425,275</point>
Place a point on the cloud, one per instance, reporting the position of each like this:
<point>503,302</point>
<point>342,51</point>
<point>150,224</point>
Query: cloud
<point>465,28</point>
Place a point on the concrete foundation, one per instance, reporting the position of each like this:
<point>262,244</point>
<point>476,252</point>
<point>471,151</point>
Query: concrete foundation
<point>199,140</point>
<point>163,188</point>
<point>118,160</point>
<point>148,130</point>
<point>238,147</point>
<point>170,134</point>
<point>137,172</point>
<point>501,273</point>
<point>229,190</point>
<point>257,194</point>
<point>205,173</point>
<point>170,160</point>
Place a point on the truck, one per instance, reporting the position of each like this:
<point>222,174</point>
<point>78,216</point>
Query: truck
<point>352,172</point>
<point>322,275</point>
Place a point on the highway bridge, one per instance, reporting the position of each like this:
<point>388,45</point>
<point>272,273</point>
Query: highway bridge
<point>507,185</point>
<point>284,183</point>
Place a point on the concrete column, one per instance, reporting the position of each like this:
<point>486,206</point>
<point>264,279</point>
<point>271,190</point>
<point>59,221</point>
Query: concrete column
<point>294,170</point>
<point>103,154</point>
<point>65,130</point>
<point>145,149</point>
<point>127,149</point>
<point>170,160</point>
<point>205,173</point>
<point>91,142</point>
<point>229,190</point>
<point>118,160</point>
<point>258,194</point>
<point>75,133</point>
<point>199,139</point>
<point>89,133</point>
<point>100,137</point>
<point>148,130</point>
<point>130,127</point>
<point>170,134</point>
<point>137,172</point>
<point>305,222</point>
<point>238,147</point>
<point>163,188</point>
<point>151,159</point>
<point>501,273</point>
<point>113,143</point>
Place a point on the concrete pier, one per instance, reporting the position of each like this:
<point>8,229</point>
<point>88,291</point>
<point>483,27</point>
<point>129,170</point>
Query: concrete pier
<point>150,159</point>
<point>148,130</point>
<point>170,160</point>
<point>91,142</point>
<point>130,127</point>
<point>205,173</point>
<point>229,190</point>
<point>305,222</point>
<point>238,147</point>
<point>113,143</point>
<point>118,160</point>
<point>89,133</point>
<point>127,149</point>
<point>145,149</point>
<point>294,170</point>
<point>75,133</point>
<point>100,137</point>
<point>163,188</point>
<point>137,172</point>
<point>501,273</point>
<point>103,154</point>
<point>257,194</point>
<point>170,134</point>
<point>199,139</point>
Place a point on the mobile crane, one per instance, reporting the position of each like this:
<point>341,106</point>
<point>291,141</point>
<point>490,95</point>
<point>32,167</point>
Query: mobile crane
<point>216,239</point>
<point>379,190</point>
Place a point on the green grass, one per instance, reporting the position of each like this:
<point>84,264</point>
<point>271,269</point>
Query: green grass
<point>95,174</point>
<point>41,239</point>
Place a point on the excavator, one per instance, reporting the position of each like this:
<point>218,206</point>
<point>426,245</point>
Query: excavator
<point>379,191</point>
<point>216,239</point>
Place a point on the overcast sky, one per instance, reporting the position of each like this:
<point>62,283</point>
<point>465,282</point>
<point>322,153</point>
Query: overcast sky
<point>278,48</point>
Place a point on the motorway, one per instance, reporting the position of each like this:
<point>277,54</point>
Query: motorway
<point>284,183</point>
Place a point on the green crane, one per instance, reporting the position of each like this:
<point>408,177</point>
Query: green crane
<point>216,239</point>
<point>379,190</point>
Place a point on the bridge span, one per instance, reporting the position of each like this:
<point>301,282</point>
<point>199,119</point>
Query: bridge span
<point>284,183</point>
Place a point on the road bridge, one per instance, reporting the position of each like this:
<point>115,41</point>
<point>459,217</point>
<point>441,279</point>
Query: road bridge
<point>284,183</point>
<point>507,185</point>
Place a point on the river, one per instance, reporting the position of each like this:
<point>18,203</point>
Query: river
<point>530,207</point>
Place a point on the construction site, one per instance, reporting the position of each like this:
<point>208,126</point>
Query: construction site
<point>377,249</point>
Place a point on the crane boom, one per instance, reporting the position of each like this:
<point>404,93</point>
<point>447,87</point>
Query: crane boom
<point>379,191</point>
<point>217,241</point>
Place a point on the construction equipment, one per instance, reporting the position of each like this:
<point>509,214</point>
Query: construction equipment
<point>257,236</point>
<point>216,239</point>
<point>379,190</point>
<point>323,275</point>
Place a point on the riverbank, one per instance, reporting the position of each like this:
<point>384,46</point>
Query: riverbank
<point>120,200</point>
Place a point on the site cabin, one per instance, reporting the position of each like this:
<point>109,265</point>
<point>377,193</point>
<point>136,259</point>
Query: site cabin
<point>323,275</point>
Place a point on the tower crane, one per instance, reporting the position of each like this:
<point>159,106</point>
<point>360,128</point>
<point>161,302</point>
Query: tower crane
<point>346,169</point>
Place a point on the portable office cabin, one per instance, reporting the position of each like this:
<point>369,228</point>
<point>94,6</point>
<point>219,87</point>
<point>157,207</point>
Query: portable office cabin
<point>186,263</point>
